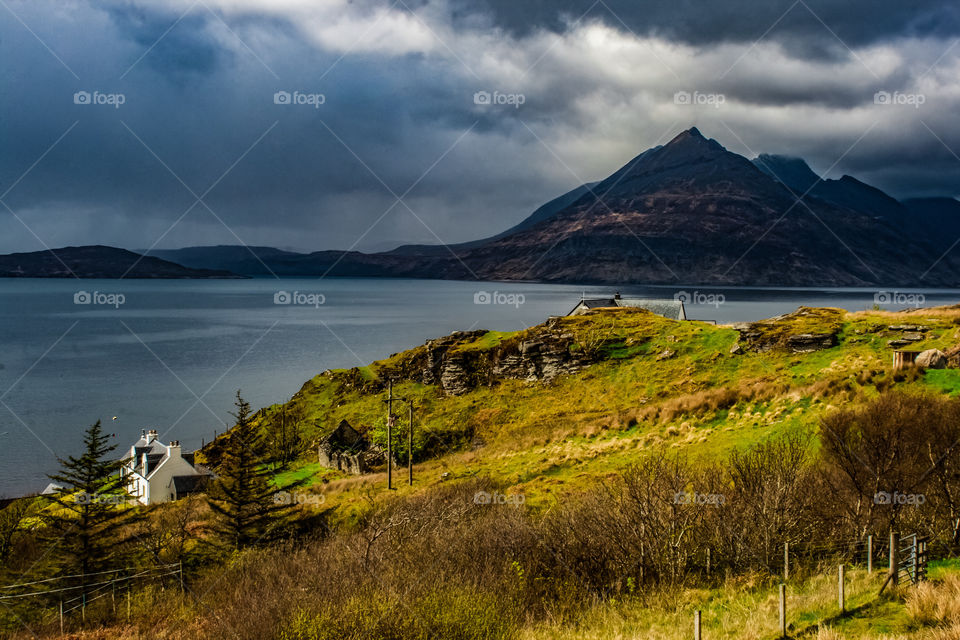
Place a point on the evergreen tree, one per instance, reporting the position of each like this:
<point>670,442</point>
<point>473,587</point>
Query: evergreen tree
<point>247,507</point>
<point>89,508</point>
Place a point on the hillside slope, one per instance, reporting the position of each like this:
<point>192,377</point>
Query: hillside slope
<point>576,397</point>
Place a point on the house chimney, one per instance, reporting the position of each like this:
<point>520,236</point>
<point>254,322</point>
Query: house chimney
<point>173,450</point>
<point>143,433</point>
<point>616,296</point>
<point>151,435</point>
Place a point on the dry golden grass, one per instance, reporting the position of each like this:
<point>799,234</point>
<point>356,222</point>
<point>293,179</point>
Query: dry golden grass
<point>936,603</point>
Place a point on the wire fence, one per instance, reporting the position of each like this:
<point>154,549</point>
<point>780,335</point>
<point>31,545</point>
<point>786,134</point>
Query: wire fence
<point>72,594</point>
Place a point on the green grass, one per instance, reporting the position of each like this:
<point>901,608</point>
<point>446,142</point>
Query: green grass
<point>304,474</point>
<point>560,436</point>
<point>944,380</point>
<point>744,609</point>
<point>938,569</point>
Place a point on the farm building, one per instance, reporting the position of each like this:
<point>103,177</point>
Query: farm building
<point>155,472</point>
<point>672,309</point>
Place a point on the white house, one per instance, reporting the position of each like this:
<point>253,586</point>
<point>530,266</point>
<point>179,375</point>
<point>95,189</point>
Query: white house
<point>155,472</point>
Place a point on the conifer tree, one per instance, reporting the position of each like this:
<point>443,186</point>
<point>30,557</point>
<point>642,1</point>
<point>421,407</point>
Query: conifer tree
<point>248,509</point>
<point>89,508</point>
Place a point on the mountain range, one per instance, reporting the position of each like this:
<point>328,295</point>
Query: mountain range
<point>687,212</point>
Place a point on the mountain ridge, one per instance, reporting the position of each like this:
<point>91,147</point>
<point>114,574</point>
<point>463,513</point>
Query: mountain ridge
<point>690,212</point>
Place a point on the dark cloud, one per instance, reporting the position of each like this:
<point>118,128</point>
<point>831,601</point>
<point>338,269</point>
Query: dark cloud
<point>703,22</point>
<point>399,105</point>
<point>185,49</point>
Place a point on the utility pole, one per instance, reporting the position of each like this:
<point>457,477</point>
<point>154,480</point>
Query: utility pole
<point>410,445</point>
<point>390,420</point>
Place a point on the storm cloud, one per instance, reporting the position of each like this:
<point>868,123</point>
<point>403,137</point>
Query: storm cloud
<point>363,124</point>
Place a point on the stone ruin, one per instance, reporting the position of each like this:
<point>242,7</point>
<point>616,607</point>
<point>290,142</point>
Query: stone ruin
<point>345,449</point>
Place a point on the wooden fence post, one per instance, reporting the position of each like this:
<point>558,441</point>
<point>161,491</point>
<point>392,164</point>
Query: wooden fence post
<point>923,560</point>
<point>783,611</point>
<point>708,562</point>
<point>915,575</point>
<point>870,554</point>
<point>894,569</point>
<point>786,561</point>
<point>840,590</point>
<point>696,625</point>
<point>61,617</point>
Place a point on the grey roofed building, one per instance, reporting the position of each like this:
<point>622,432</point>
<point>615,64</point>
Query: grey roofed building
<point>672,309</point>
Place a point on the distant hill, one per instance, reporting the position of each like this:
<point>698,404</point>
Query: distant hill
<point>97,262</point>
<point>847,192</point>
<point>688,212</point>
<point>237,259</point>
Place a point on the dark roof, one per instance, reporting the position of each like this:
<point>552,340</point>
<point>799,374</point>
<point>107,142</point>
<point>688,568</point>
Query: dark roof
<point>598,303</point>
<point>184,485</point>
<point>345,437</point>
<point>672,309</point>
<point>153,459</point>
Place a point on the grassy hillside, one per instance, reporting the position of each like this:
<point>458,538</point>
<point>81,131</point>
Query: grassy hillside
<point>693,386</point>
<point>589,427</point>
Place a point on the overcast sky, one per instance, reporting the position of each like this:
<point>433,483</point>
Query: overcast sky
<point>389,145</point>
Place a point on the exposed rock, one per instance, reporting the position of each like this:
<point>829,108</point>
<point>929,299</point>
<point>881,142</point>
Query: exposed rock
<point>912,337</point>
<point>541,357</point>
<point>907,327</point>
<point>792,331</point>
<point>453,376</point>
<point>663,355</point>
<point>932,359</point>
<point>736,349</point>
<point>953,357</point>
<point>808,342</point>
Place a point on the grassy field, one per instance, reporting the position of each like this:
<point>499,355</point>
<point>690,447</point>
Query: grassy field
<point>707,398</point>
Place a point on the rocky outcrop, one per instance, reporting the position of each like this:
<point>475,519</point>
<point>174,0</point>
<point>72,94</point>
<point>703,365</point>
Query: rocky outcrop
<point>802,331</point>
<point>932,359</point>
<point>809,342</point>
<point>457,365</point>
